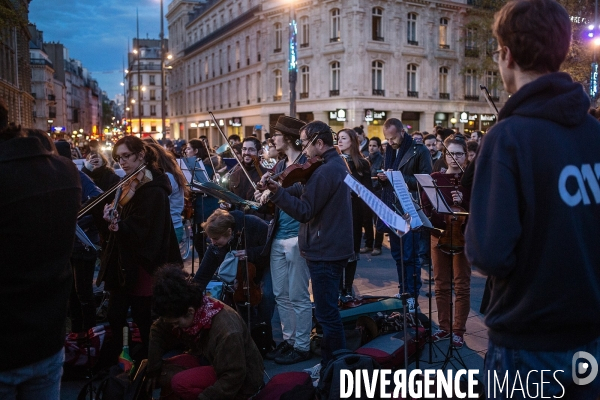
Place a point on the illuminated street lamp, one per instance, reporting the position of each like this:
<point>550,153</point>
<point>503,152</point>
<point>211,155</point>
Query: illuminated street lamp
<point>293,60</point>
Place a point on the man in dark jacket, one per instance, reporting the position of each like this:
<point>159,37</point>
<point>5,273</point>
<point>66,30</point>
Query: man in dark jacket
<point>41,195</point>
<point>410,158</point>
<point>535,212</point>
<point>325,236</point>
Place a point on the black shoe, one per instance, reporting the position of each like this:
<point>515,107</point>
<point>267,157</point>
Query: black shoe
<point>292,357</point>
<point>281,349</point>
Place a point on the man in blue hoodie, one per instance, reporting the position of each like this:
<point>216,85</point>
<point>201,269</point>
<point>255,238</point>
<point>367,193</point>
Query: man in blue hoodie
<point>535,214</point>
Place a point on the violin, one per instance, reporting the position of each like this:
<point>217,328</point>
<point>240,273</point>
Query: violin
<point>125,193</point>
<point>452,239</point>
<point>298,172</point>
<point>247,290</point>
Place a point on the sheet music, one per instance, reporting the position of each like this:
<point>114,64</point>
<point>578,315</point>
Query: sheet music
<point>437,201</point>
<point>406,200</point>
<point>192,163</point>
<point>388,216</point>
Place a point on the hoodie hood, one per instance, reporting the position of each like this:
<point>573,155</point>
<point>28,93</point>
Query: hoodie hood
<point>553,97</point>
<point>159,179</point>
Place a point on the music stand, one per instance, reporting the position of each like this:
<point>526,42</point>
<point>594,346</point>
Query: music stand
<point>435,196</point>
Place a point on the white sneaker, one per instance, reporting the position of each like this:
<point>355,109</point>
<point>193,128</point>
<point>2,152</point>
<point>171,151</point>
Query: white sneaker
<point>315,372</point>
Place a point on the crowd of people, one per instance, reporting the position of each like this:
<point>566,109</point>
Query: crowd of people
<point>531,216</point>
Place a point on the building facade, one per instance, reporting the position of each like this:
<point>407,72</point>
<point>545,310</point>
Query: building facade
<point>15,69</point>
<point>358,62</point>
<point>143,79</point>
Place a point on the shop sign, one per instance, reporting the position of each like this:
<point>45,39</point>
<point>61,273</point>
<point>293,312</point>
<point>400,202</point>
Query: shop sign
<point>369,115</point>
<point>235,121</point>
<point>338,115</point>
<point>374,115</point>
<point>488,117</point>
<point>463,117</point>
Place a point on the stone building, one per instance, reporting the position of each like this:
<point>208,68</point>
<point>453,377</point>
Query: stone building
<point>144,94</point>
<point>15,70</point>
<point>359,62</point>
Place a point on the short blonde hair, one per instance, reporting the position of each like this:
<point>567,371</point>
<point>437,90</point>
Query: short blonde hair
<point>218,223</point>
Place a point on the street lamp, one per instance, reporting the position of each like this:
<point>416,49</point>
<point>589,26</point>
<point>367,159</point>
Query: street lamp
<point>293,60</point>
<point>453,121</point>
<point>162,70</point>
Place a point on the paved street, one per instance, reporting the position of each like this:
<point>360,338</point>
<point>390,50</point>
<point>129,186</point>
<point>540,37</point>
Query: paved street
<point>377,276</point>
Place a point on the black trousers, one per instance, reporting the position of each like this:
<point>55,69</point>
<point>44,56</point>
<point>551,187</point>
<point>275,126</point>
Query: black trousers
<point>141,313</point>
<point>81,303</point>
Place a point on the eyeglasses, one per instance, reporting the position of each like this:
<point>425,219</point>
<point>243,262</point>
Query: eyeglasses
<point>125,157</point>
<point>276,134</point>
<point>458,154</point>
<point>496,56</point>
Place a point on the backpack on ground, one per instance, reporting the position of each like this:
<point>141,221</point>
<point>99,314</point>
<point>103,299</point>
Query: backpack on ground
<point>329,384</point>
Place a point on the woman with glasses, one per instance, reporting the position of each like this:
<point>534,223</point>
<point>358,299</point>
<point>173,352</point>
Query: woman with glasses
<point>361,170</point>
<point>447,265</point>
<point>141,239</point>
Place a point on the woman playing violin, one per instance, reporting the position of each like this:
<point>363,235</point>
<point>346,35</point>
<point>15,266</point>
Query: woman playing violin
<point>444,263</point>
<point>142,238</point>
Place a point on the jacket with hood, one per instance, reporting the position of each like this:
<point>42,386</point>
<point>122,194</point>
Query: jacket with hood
<point>144,242</point>
<point>534,226</point>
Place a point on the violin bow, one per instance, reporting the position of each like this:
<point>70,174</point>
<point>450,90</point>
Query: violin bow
<point>490,101</point>
<point>232,151</point>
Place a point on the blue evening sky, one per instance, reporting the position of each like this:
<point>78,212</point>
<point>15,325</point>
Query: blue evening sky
<point>97,32</point>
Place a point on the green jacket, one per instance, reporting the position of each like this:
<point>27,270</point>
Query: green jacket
<point>227,345</point>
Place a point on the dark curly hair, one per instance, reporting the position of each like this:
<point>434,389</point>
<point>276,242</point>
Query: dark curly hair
<point>174,292</point>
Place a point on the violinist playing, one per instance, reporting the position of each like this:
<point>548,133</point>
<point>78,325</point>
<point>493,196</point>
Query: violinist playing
<point>141,239</point>
<point>444,263</point>
<point>238,182</point>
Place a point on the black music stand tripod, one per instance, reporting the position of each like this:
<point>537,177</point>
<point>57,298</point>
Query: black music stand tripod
<point>432,190</point>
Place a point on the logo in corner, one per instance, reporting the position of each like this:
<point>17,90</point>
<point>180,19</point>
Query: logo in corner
<point>580,367</point>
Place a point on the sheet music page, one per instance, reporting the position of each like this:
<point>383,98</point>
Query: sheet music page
<point>437,201</point>
<point>384,212</point>
<point>192,163</point>
<point>397,181</point>
<point>185,170</point>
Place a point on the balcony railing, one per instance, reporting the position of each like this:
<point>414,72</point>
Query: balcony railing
<point>335,39</point>
<point>379,39</point>
<point>277,98</point>
<point>277,50</point>
<point>303,45</point>
<point>51,97</point>
<point>333,93</point>
<point>444,46</point>
<point>413,42</point>
<point>304,95</point>
<point>413,94</point>
<point>495,98</point>
<point>471,98</point>
<point>445,96</point>
<point>378,92</point>
<point>52,115</point>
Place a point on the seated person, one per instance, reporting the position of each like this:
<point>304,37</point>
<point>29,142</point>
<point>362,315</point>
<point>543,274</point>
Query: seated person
<point>220,361</point>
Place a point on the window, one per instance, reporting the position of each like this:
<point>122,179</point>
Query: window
<point>444,33</point>
<point>304,32</point>
<point>248,89</point>
<point>258,43</point>
<point>153,79</point>
<point>411,81</point>
<point>471,43</point>
<point>471,85</point>
<point>141,110</point>
<point>377,24</point>
<point>152,94</point>
<point>491,81</point>
<point>443,83</point>
<point>334,86</point>
<point>258,86</point>
<point>278,38</point>
<point>237,54</point>
<point>304,82</point>
<point>220,60</point>
<point>411,29</point>
<point>153,109</point>
<point>278,85</point>
<point>228,61</point>
<point>377,78</point>
<point>335,22</point>
<point>206,68</point>
<point>247,50</point>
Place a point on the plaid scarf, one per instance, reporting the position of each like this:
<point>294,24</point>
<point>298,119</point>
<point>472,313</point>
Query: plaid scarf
<point>387,195</point>
<point>203,316</point>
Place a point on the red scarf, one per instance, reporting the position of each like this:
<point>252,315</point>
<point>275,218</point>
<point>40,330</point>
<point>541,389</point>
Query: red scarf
<point>203,316</point>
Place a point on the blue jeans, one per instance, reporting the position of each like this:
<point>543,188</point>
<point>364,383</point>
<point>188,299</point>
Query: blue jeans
<point>325,277</point>
<point>37,381</point>
<point>410,254</point>
<point>500,360</point>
